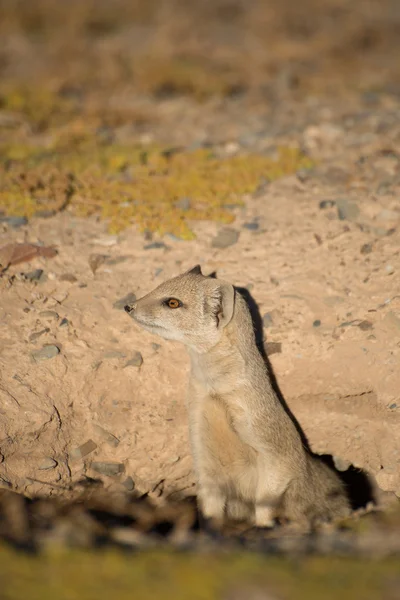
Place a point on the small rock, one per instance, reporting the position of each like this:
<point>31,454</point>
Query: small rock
<point>316,323</point>
<point>365,325</point>
<point>252,226</point>
<point>327,204</point>
<point>366,248</point>
<point>267,320</point>
<point>64,322</point>
<point>83,450</point>
<point>225,237</point>
<point>347,210</point>
<point>155,346</point>
<point>128,299</point>
<point>48,463</point>
<point>389,269</point>
<point>34,336</point>
<point>155,246</point>
<point>183,204</point>
<point>49,314</point>
<point>48,351</point>
<point>135,361</point>
<point>35,275</point>
<point>129,484</point>
<point>68,277</point>
<point>392,406</point>
<point>109,438</point>
<point>96,260</point>
<point>273,348</point>
<point>14,222</point>
<point>108,468</point>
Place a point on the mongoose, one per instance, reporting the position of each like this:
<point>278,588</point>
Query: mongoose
<point>249,458</point>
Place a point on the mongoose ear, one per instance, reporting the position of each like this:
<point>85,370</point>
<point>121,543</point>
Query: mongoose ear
<point>195,271</point>
<point>227,305</point>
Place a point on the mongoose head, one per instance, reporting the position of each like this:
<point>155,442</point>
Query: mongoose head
<point>190,308</point>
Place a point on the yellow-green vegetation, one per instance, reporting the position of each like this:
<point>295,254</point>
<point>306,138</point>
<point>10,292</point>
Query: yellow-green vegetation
<point>126,184</point>
<point>69,575</point>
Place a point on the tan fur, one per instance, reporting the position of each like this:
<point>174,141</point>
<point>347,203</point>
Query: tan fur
<point>249,458</point>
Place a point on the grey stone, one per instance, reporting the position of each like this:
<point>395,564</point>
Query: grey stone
<point>273,348</point>
<point>83,450</point>
<point>225,237</point>
<point>108,437</point>
<point>155,246</point>
<point>68,277</point>
<point>35,275</point>
<point>64,322</point>
<point>183,204</point>
<point>47,464</point>
<point>317,323</point>
<point>252,226</point>
<point>268,320</point>
<point>389,269</point>
<point>155,346</point>
<point>14,222</point>
<point>326,204</point>
<point>347,210</point>
<point>135,361</point>
<point>108,468</point>
<point>129,484</point>
<point>48,351</point>
<point>49,314</point>
<point>128,299</point>
<point>34,336</point>
<point>365,325</point>
<point>392,406</point>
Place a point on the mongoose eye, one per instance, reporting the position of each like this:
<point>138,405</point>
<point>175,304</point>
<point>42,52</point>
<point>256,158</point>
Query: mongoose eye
<point>173,303</point>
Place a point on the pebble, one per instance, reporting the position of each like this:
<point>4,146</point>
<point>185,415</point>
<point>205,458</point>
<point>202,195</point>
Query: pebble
<point>273,348</point>
<point>49,314</point>
<point>128,299</point>
<point>155,346</point>
<point>83,450</point>
<point>252,226</point>
<point>129,484</point>
<point>64,323</point>
<point>35,275</point>
<point>365,325</point>
<point>326,204</point>
<point>267,320</point>
<point>392,406</point>
<point>14,222</point>
<point>225,237</point>
<point>135,361</point>
<point>340,463</point>
<point>48,351</point>
<point>96,260</point>
<point>389,269</point>
<point>68,277</point>
<point>37,334</point>
<point>108,468</point>
<point>109,438</point>
<point>316,323</point>
<point>347,210</point>
<point>155,246</point>
<point>366,248</point>
<point>48,463</point>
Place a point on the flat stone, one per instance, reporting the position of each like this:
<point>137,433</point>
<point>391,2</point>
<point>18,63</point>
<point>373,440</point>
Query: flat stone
<point>51,315</point>
<point>366,248</point>
<point>128,299</point>
<point>48,351</point>
<point>316,323</point>
<point>64,322</point>
<point>37,334</point>
<point>252,226</point>
<point>35,275</point>
<point>108,468</point>
<point>68,277</point>
<point>83,450</point>
<point>14,222</point>
<point>155,246</point>
<point>365,325</point>
<point>268,320</point>
<point>135,361</point>
<point>48,463</point>
<point>347,210</point>
<point>273,348</point>
<point>108,437</point>
<point>327,204</point>
<point>225,237</point>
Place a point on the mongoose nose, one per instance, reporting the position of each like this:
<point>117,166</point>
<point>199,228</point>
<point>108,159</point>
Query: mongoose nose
<point>129,307</point>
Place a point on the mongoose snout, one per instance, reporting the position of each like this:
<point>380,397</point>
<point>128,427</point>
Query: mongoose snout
<point>249,458</point>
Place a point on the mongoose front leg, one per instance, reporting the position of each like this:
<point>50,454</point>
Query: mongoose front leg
<point>212,503</point>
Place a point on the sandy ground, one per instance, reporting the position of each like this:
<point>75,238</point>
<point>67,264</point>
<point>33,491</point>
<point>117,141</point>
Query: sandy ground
<point>86,394</point>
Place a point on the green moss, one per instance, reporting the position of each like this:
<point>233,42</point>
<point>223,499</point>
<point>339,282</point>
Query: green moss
<point>67,575</point>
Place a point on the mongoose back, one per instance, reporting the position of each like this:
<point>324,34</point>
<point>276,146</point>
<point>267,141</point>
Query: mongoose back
<point>249,458</point>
